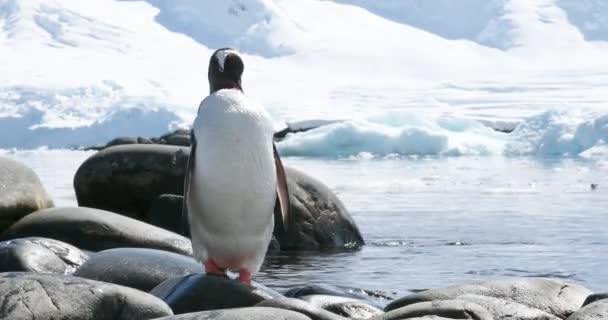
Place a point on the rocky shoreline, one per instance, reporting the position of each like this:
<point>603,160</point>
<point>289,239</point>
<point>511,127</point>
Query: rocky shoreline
<point>124,253</point>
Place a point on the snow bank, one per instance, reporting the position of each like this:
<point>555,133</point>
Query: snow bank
<point>34,117</point>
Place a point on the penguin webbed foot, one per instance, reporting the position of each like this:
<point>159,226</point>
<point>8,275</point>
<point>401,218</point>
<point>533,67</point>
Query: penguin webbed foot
<point>245,277</point>
<point>212,269</point>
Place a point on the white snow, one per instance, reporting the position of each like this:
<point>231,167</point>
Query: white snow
<point>413,76</point>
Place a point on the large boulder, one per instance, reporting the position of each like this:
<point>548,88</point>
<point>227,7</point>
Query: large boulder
<point>297,305</point>
<point>126,179</point>
<point>40,255</point>
<point>595,297</point>
<point>166,212</point>
<point>48,297</point>
<point>318,217</point>
<point>197,292</point>
<point>96,230</point>
<point>138,268</point>
<point>253,313</point>
<point>597,310</point>
<point>452,309</point>
<point>21,192</point>
<point>559,298</point>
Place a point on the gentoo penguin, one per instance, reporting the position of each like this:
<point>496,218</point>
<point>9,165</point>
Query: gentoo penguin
<point>234,178</point>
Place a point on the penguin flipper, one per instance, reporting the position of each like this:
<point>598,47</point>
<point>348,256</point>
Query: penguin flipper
<point>282,210</point>
<point>185,221</point>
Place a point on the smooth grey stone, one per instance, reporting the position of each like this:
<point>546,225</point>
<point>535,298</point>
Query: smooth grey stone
<point>453,309</point>
<point>166,212</point>
<point>96,230</point>
<point>253,313</point>
<point>137,268</point>
<point>51,297</point>
<point>354,310</point>
<point>40,255</point>
<point>318,218</point>
<point>198,292</point>
<point>21,192</point>
<point>593,311</point>
<point>557,297</point>
<point>126,179</point>
<point>297,305</point>
<point>595,297</point>
<point>507,310</point>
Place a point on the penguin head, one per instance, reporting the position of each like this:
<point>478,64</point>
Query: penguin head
<point>225,70</point>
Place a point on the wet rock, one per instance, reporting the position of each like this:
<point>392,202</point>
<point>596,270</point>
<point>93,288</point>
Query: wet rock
<point>121,141</point>
<point>178,140</point>
<point>126,179</point>
<point>318,217</point>
<point>96,230</point>
<point>166,212</point>
<point>595,297</point>
<point>313,312</point>
<point>354,310</point>
<point>507,310</point>
<point>452,309</point>
<point>199,292</point>
<point>21,192</point>
<point>597,310</point>
<point>144,140</point>
<point>322,301</point>
<point>47,297</point>
<point>557,297</point>
<point>137,268</point>
<point>254,313</point>
<point>375,298</point>
<point>40,255</point>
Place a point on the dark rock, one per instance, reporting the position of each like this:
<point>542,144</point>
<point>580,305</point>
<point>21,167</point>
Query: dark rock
<point>322,300</point>
<point>178,140</point>
<point>254,313</point>
<point>199,292</point>
<point>453,309</point>
<point>166,212</point>
<point>595,297</point>
<point>507,310</point>
<point>597,310</point>
<point>141,269</point>
<point>126,179</point>
<point>47,297</point>
<point>318,218</point>
<point>313,312</point>
<point>143,140</point>
<point>40,255</point>
<point>354,310</point>
<point>21,192</point>
<point>96,230</point>
<point>121,141</point>
<point>556,297</point>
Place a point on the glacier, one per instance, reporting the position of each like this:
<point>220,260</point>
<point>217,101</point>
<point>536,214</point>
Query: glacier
<point>408,77</point>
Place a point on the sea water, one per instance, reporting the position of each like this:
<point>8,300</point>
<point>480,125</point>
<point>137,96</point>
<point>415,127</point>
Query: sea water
<point>434,221</point>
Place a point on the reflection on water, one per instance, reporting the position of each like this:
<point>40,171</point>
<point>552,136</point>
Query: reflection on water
<point>432,222</point>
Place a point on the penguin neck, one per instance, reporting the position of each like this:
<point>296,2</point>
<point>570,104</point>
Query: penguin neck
<point>227,84</point>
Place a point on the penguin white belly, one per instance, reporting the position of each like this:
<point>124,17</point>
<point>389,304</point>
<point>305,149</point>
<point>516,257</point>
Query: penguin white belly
<point>233,186</point>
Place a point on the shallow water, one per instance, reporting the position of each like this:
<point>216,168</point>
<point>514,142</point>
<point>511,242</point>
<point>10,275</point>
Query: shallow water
<point>431,222</point>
